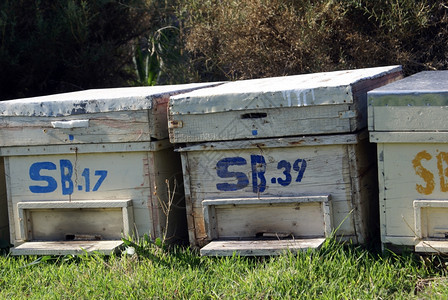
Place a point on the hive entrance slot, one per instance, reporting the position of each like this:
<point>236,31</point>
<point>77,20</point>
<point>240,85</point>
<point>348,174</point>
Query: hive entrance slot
<point>274,235</point>
<point>82,237</point>
<point>76,227</point>
<point>254,116</point>
<point>431,225</point>
<point>266,226</point>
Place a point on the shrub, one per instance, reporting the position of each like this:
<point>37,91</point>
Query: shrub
<point>260,38</point>
<point>65,45</point>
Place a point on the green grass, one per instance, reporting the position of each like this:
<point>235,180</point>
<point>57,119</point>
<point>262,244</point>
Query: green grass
<point>333,272</point>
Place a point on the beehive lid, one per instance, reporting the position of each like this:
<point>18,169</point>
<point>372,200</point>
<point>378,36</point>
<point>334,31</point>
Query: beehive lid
<point>308,104</point>
<point>287,91</point>
<point>119,115</point>
<point>405,110</point>
<point>429,88</point>
<point>93,101</point>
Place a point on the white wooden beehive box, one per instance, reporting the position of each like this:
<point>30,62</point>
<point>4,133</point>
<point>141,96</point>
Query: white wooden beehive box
<point>263,196</point>
<point>85,169</point>
<point>407,120</point>
<point>278,163</point>
<point>320,103</point>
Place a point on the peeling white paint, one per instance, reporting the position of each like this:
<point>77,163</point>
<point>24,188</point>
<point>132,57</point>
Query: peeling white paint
<point>287,91</point>
<point>93,101</point>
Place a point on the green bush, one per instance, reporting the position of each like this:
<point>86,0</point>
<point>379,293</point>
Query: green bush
<point>54,46</point>
<point>65,45</point>
<point>260,38</point>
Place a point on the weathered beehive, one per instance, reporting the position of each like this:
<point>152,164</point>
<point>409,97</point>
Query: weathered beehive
<point>85,169</point>
<point>278,163</point>
<point>407,121</point>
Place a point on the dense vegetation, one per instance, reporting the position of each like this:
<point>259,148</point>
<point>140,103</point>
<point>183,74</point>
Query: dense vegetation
<point>259,38</point>
<point>65,45</point>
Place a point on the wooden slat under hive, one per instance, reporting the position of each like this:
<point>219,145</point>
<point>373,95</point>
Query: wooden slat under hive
<point>259,248</point>
<point>67,247</point>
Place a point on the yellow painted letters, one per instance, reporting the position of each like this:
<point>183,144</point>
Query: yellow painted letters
<point>426,175</point>
<point>442,158</point>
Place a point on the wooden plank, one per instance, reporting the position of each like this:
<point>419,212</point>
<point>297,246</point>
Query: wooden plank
<point>421,203</point>
<point>234,126</point>
<point>428,246</point>
<point>210,222</point>
<point>74,204</point>
<point>96,100</point>
<point>353,195</point>
<point>259,247</point>
<point>67,247</point>
<point>11,216</point>
<point>4,221</point>
<point>266,200</point>
<point>188,200</point>
<point>381,193</point>
<point>343,139</point>
<point>408,137</point>
<point>85,148</point>
<point>128,126</point>
<point>399,188</point>
<point>287,91</point>
<point>409,118</point>
<point>399,240</point>
<point>418,221</point>
<point>370,118</point>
